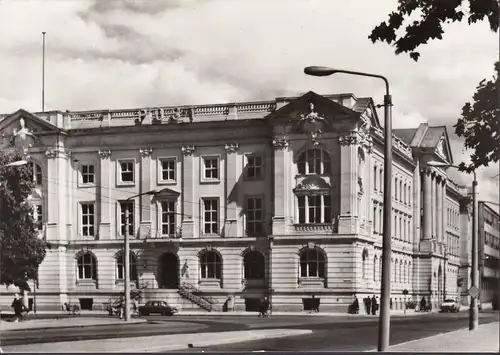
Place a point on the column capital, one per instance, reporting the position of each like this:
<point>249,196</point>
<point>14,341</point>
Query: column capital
<point>348,140</point>
<point>280,143</point>
<point>188,149</point>
<point>104,153</point>
<point>231,148</point>
<point>146,152</point>
<point>51,153</point>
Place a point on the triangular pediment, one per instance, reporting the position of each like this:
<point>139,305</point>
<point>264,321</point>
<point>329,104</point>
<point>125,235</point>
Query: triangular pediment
<point>24,126</point>
<point>443,148</point>
<point>300,107</point>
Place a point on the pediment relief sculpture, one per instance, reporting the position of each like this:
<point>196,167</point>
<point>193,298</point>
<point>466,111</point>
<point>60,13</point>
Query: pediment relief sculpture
<point>313,185</point>
<point>23,138</point>
<point>312,123</point>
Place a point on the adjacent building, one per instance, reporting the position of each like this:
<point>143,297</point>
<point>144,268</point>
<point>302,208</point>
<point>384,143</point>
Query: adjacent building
<point>489,252</point>
<point>228,203</point>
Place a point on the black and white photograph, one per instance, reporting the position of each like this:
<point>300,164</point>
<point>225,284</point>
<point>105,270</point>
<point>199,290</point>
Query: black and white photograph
<point>237,176</point>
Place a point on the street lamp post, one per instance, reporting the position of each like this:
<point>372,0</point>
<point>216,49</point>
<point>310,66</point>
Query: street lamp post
<point>385,292</point>
<point>473,291</point>
<point>126,247</point>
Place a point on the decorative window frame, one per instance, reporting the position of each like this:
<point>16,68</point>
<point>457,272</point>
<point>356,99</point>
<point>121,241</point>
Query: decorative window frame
<point>119,181</point>
<point>160,180</point>
<point>312,281</point>
<point>202,216</point>
<point>245,215</point>
<point>303,151</point>
<point>85,282</point>
<point>119,217</point>
<point>177,217</point>
<point>210,282</point>
<point>203,179</point>
<point>246,157</point>
<point>80,219</point>
<point>80,174</point>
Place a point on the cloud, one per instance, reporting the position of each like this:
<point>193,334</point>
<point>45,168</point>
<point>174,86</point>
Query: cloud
<point>118,54</point>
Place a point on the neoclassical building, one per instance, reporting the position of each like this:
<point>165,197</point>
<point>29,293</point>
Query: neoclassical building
<point>227,203</point>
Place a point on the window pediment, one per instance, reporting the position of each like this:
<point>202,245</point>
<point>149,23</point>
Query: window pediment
<point>313,185</point>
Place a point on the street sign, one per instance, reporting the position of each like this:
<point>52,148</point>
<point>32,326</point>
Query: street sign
<point>473,291</point>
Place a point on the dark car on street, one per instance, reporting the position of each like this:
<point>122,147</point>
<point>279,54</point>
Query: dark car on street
<point>157,307</point>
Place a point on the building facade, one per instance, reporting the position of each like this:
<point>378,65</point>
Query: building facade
<point>235,202</point>
<point>489,252</point>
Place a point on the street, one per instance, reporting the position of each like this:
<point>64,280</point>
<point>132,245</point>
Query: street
<point>336,333</point>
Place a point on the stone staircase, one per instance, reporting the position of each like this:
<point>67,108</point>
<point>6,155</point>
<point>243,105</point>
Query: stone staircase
<point>191,293</point>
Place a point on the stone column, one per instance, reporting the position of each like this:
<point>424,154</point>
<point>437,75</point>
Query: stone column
<point>427,204</point>
<point>433,205</point>
<point>231,203</point>
<point>104,194</point>
<point>53,194</point>
<point>280,185</point>
<point>439,214</point>
<point>348,183</point>
<point>189,210</point>
<point>443,209</point>
<point>146,185</point>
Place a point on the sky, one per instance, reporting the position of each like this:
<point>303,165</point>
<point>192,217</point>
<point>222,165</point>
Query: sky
<point>124,53</point>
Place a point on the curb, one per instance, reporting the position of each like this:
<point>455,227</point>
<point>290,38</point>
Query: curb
<point>62,326</point>
<point>229,340</point>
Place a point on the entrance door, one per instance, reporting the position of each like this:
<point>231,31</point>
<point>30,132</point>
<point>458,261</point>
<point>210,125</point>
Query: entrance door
<point>168,271</point>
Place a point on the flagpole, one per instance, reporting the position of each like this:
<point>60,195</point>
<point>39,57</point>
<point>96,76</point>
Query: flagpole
<point>43,72</point>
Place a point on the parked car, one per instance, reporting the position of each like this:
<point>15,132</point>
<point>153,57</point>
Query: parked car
<point>450,305</point>
<point>157,307</point>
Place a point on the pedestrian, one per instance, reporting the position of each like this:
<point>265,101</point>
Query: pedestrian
<point>367,303</point>
<point>390,303</point>
<point>264,308</point>
<point>355,305</point>
<point>136,306</point>
<point>423,305</point>
<point>18,307</point>
<point>122,307</point>
<point>374,305</point>
<point>315,304</point>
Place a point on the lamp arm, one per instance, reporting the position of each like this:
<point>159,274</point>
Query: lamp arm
<point>387,91</point>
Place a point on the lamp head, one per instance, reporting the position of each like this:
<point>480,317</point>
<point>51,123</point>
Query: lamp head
<point>438,164</point>
<point>319,71</point>
<point>17,163</point>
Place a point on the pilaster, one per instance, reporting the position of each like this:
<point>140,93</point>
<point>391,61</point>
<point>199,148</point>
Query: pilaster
<point>188,203</point>
<point>280,185</point>
<point>443,210</point>
<point>433,205</point>
<point>104,189</point>
<point>348,181</point>
<point>231,203</point>
<point>146,185</point>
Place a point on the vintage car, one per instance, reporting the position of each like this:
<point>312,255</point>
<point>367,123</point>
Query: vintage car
<point>157,307</point>
<point>450,305</point>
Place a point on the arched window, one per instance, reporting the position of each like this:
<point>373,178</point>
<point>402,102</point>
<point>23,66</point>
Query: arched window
<point>364,265</point>
<point>375,268</point>
<point>36,171</point>
<point>87,266</point>
<point>254,265</point>
<point>210,265</point>
<point>120,267</point>
<point>312,263</point>
<point>314,161</point>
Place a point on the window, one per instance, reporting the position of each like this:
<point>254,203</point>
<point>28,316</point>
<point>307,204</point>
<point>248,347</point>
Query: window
<point>88,219</point>
<point>87,267</point>
<point>375,178</point>
<point>314,161</point>
<point>168,218</point>
<point>211,216</point>
<point>312,263</point>
<point>375,225</point>
<point>381,180</point>
<point>127,217</point>
<point>36,170</point>
<point>396,189</point>
<point>400,190</point>
<point>314,209</point>
<point>254,216</point>
<point>210,168</point>
<point>38,216</point>
<point>255,167</point>
<point>88,174</point>
<point>210,265</point>
<point>127,171</point>
<point>400,272</point>
<point>254,265</point>
<point>375,268</point>
<point>168,169</point>
<point>364,264</point>
<point>120,263</point>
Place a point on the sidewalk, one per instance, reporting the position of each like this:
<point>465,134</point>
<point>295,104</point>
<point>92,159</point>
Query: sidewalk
<point>63,322</point>
<point>156,343</point>
<point>484,339</point>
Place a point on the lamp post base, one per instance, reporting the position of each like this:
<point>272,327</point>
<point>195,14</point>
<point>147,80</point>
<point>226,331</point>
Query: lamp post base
<point>473,318</point>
